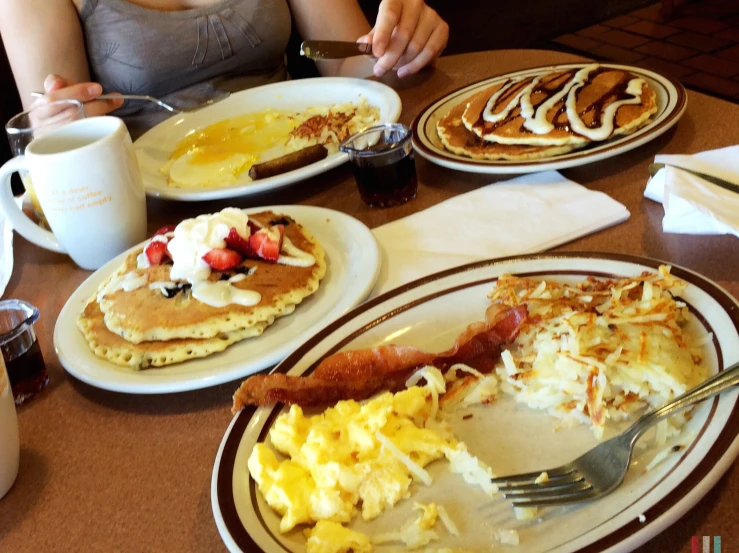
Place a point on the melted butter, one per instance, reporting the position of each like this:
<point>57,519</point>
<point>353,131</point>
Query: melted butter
<point>127,283</point>
<point>249,134</point>
<point>163,286</point>
<point>142,261</point>
<point>295,256</point>
<point>221,294</point>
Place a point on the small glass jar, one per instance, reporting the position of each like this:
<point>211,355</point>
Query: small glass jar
<point>383,163</point>
<point>20,349</point>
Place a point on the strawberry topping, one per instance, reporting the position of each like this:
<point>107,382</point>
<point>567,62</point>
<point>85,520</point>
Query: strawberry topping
<point>253,227</point>
<point>155,251</point>
<point>165,230</point>
<point>222,259</point>
<point>235,242</point>
<point>266,243</point>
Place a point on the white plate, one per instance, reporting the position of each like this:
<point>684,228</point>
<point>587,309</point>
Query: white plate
<point>429,313</point>
<point>671,102</point>
<point>155,146</point>
<point>352,267</point>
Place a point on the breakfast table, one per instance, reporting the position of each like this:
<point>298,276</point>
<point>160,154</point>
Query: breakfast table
<point>102,471</point>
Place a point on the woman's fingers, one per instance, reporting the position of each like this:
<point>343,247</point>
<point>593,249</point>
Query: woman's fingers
<point>388,15</point>
<point>55,82</point>
<point>426,25</point>
<point>58,88</point>
<point>424,49</point>
<point>408,34</point>
<point>102,107</point>
<point>406,23</point>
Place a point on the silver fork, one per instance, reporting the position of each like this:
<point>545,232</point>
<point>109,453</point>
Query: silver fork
<point>222,95</point>
<point>602,469</point>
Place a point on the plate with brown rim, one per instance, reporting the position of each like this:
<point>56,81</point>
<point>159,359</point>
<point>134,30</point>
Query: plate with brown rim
<point>672,100</point>
<point>429,313</point>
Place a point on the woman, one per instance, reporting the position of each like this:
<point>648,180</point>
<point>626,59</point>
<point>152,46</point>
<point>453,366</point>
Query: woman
<point>80,48</point>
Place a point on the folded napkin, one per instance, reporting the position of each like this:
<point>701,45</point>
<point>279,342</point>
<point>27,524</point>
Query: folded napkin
<point>692,204</point>
<point>528,214</point>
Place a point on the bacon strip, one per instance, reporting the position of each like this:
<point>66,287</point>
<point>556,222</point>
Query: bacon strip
<point>361,373</point>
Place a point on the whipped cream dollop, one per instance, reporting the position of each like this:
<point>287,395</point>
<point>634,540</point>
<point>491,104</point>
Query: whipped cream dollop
<point>193,238</point>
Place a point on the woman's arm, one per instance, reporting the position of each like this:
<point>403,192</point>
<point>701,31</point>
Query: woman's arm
<point>42,38</point>
<point>408,34</point>
<point>334,20</point>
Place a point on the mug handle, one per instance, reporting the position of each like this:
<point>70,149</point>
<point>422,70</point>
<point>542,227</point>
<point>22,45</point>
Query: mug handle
<point>20,221</point>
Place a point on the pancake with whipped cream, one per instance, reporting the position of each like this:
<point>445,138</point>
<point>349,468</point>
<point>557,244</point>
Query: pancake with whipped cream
<point>562,107</point>
<point>192,282</point>
<point>457,139</point>
<point>115,349</point>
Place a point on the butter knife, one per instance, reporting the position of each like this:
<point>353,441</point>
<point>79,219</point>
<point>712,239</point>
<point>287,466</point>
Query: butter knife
<point>654,167</point>
<point>333,49</point>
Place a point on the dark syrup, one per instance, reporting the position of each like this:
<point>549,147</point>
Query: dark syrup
<point>26,372</point>
<point>387,185</point>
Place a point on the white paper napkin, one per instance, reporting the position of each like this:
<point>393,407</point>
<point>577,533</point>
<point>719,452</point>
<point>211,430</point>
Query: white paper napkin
<point>528,214</point>
<point>693,205</point>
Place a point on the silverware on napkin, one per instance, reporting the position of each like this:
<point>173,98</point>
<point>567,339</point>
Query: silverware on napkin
<point>333,49</point>
<point>730,186</point>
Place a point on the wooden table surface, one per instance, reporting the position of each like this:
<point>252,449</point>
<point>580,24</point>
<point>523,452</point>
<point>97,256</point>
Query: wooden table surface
<point>102,471</point>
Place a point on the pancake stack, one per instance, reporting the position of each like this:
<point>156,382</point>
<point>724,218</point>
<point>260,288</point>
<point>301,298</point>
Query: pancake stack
<point>150,325</point>
<point>553,113</point>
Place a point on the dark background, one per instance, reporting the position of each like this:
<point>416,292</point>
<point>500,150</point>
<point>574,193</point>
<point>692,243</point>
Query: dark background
<point>475,25</point>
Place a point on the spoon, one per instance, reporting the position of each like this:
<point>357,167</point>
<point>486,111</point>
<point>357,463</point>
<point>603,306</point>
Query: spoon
<point>222,95</point>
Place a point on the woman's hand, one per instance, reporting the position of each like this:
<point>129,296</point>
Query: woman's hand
<point>58,88</point>
<point>407,34</point>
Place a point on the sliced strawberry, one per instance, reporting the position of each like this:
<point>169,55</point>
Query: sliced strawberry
<point>165,230</point>
<point>267,242</point>
<point>155,251</point>
<point>222,259</point>
<point>235,242</point>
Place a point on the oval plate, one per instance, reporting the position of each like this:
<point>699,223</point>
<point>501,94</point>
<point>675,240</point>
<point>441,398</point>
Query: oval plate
<point>155,146</point>
<point>352,267</point>
<point>672,100</point>
<point>429,313</point>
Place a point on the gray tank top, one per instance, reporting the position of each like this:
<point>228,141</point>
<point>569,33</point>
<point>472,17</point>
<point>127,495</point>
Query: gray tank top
<point>183,56</point>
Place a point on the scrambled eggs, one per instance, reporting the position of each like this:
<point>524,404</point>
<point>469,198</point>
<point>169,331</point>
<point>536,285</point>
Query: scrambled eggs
<point>366,453</point>
<point>332,537</point>
<point>336,458</point>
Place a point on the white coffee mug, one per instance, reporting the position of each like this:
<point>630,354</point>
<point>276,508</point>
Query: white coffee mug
<point>9,443</point>
<point>88,183</point>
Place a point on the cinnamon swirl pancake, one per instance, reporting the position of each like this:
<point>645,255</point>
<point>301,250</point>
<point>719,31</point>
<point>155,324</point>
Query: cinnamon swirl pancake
<point>457,139</point>
<point>572,107</point>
